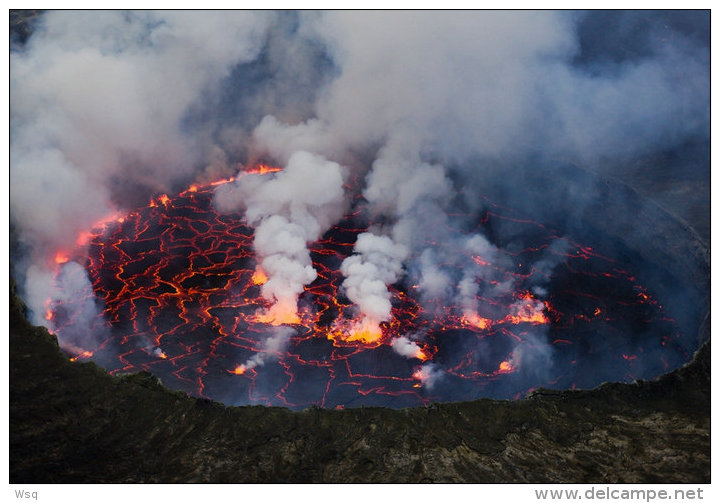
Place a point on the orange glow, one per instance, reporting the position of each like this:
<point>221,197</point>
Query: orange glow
<point>210,279</point>
<point>61,258</point>
<point>83,238</point>
<point>279,314</point>
<point>262,169</point>
<point>259,277</point>
<point>84,354</point>
<point>537,318</point>
<point>223,181</point>
<point>367,331</point>
<point>505,367</point>
<point>476,320</point>
<point>529,312</point>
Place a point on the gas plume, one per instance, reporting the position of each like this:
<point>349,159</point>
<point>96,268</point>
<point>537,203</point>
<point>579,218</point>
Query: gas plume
<point>288,210</point>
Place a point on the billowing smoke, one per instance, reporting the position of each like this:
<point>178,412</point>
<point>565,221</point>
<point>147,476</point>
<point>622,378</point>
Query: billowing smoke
<point>288,210</point>
<point>98,106</point>
<point>494,85</point>
<point>110,107</point>
<point>377,263</point>
<point>505,85</point>
<point>68,288</point>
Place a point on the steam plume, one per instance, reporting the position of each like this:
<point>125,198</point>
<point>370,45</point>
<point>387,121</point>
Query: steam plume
<point>492,85</point>
<point>428,375</point>
<point>97,111</point>
<point>288,210</point>
<point>273,345</point>
<point>407,348</point>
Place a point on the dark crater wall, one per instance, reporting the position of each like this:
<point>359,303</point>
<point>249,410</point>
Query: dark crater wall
<point>72,422</point>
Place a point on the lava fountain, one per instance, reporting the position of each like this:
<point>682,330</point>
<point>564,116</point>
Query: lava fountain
<point>177,286</point>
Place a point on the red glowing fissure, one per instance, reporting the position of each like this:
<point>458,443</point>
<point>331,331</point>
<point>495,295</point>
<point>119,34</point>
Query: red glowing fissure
<point>181,294</point>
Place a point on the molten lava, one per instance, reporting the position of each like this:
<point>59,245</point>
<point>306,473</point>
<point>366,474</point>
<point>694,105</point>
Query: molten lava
<point>365,331</point>
<point>239,370</point>
<point>475,320</point>
<point>61,258</point>
<point>259,277</point>
<point>262,169</point>
<point>181,293</point>
<point>505,367</point>
<point>277,314</point>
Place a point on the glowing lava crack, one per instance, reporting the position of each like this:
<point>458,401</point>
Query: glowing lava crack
<point>180,293</point>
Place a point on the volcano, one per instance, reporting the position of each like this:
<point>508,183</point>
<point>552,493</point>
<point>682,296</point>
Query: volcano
<point>264,246</point>
<point>178,289</point>
<point>465,440</point>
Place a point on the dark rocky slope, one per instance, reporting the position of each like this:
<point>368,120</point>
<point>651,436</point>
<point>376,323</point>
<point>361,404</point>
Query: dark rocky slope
<point>72,422</point>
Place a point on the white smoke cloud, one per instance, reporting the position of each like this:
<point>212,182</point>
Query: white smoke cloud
<point>533,356</point>
<point>428,375</point>
<point>71,289</point>
<point>494,85</point>
<point>39,291</point>
<point>497,85</point>
<point>98,101</point>
<point>281,140</point>
<point>407,348</point>
<point>377,262</point>
<point>96,85</point>
<point>52,200</point>
<point>435,283</point>
<point>288,210</point>
<point>501,84</point>
<point>273,346</point>
<point>430,76</point>
<point>410,193</point>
